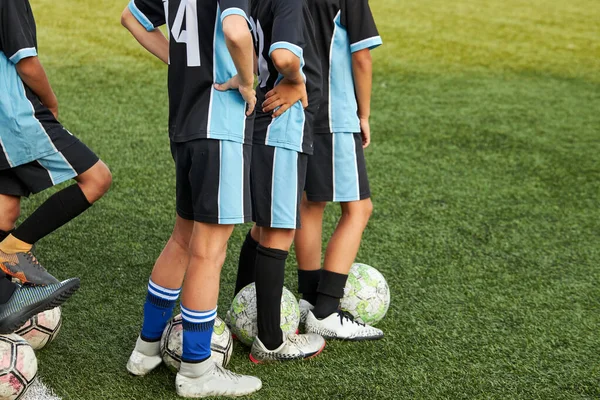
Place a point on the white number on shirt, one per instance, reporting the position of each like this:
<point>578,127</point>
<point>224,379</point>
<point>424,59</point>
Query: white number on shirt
<point>189,36</point>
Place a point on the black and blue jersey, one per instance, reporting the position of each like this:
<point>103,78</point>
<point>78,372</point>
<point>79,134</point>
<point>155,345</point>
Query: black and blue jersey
<point>28,130</point>
<point>286,24</point>
<point>198,58</point>
<point>342,27</point>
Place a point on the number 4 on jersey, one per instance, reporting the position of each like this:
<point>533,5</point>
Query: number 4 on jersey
<point>188,9</point>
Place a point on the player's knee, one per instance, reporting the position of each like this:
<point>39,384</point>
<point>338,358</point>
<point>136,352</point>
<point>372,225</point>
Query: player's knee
<point>280,239</point>
<point>11,214</point>
<point>314,205</point>
<point>96,182</point>
<point>360,211</point>
<point>103,179</point>
<point>209,256</point>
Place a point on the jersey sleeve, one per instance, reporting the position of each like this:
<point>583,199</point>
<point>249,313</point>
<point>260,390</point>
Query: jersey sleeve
<point>287,32</point>
<point>17,30</point>
<point>149,13</point>
<point>358,20</point>
<point>235,7</point>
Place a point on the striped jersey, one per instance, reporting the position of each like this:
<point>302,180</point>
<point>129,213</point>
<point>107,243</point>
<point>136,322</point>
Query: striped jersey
<point>286,24</point>
<point>28,130</point>
<point>342,27</point>
<point>198,58</point>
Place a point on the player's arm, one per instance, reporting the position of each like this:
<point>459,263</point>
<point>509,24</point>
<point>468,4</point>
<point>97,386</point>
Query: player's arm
<point>17,41</point>
<point>286,54</point>
<point>362,68</point>
<point>33,75</point>
<point>238,39</point>
<point>362,32</point>
<point>143,18</point>
<point>154,41</point>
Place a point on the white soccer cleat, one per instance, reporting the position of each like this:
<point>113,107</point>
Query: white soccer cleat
<point>144,358</point>
<point>305,307</point>
<point>294,347</point>
<point>207,379</point>
<point>341,325</point>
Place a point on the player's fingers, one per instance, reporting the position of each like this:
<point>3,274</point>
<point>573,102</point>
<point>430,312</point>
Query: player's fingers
<point>222,87</point>
<point>270,100</point>
<point>273,105</point>
<point>270,93</point>
<point>251,107</point>
<point>305,102</point>
<point>281,110</point>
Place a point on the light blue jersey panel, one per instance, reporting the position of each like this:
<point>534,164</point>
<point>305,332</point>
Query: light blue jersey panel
<point>231,183</point>
<point>58,168</point>
<point>23,137</point>
<point>287,130</point>
<point>227,113</point>
<point>285,189</point>
<point>342,100</point>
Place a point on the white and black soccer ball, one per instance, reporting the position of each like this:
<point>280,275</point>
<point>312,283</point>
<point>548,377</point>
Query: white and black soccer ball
<point>18,366</point>
<point>243,314</point>
<point>171,343</point>
<point>367,294</point>
<point>41,329</point>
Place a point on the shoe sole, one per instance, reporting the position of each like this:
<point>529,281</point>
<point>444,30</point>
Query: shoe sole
<point>255,361</point>
<point>15,321</point>
<point>355,339</point>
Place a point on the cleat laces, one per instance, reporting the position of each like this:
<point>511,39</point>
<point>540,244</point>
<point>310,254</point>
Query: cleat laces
<point>346,316</point>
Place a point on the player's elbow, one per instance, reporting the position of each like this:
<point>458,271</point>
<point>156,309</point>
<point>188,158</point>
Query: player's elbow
<point>235,30</point>
<point>285,60</point>
<point>362,59</point>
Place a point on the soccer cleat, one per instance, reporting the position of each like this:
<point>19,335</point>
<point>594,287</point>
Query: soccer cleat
<point>28,301</point>
<point>294,347</point>
<point>144,358</point>
<point>207,379</point>
<point>341,325</point>
<point>26,268</point>
<point>305,307</point>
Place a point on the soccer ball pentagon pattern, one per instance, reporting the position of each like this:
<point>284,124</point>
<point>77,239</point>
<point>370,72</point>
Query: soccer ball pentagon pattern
<point>242,315</point>
<point>42,328</point>
<point>18,366</point>
<point>367,295</point>
<point>171,344</point>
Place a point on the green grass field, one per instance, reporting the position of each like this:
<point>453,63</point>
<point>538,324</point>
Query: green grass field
<point>485,170</point>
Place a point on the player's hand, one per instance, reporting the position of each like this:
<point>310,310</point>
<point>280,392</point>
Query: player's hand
<point>365,132</point>
<point>247,92</point>
<point>285,95</point>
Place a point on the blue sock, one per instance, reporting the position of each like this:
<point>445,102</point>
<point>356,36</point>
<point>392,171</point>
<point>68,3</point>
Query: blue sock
<point>197,334</point>
<point>158,309</point>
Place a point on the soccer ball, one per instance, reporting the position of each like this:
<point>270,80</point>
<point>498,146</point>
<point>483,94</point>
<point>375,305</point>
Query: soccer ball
<point>171,344</point>
<point>42,328</point>
<point>18,366</point>
<point>243,314</point>
<point>367,295</point>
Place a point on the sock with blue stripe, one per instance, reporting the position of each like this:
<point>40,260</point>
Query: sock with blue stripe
<point>158,309</point>
<point>197,334</point>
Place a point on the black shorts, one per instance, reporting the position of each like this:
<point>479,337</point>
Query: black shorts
<point>278,176</point>
<point>213,181</point>
<point>48,171</point>
<point>337,170</point>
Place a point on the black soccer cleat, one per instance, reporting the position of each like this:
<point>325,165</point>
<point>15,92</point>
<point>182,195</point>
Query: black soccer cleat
<point>28,301</point>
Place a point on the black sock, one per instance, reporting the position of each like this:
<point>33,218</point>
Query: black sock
<point>270,271</point>
<point>247,264</point>
<point>308,283</point>
<point>59,209</point>
<point>4,234</point>
<point>331,290</point>
<point>7,288</point>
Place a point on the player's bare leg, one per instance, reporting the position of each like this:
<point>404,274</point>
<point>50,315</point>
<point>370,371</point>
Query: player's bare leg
<point>308,244</point>
<point>10,211</point>
<point>199,375</point>
<point>164,287</point>
<point>325,318</point>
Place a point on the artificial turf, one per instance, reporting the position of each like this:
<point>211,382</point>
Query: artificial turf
<point>485,171</point>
